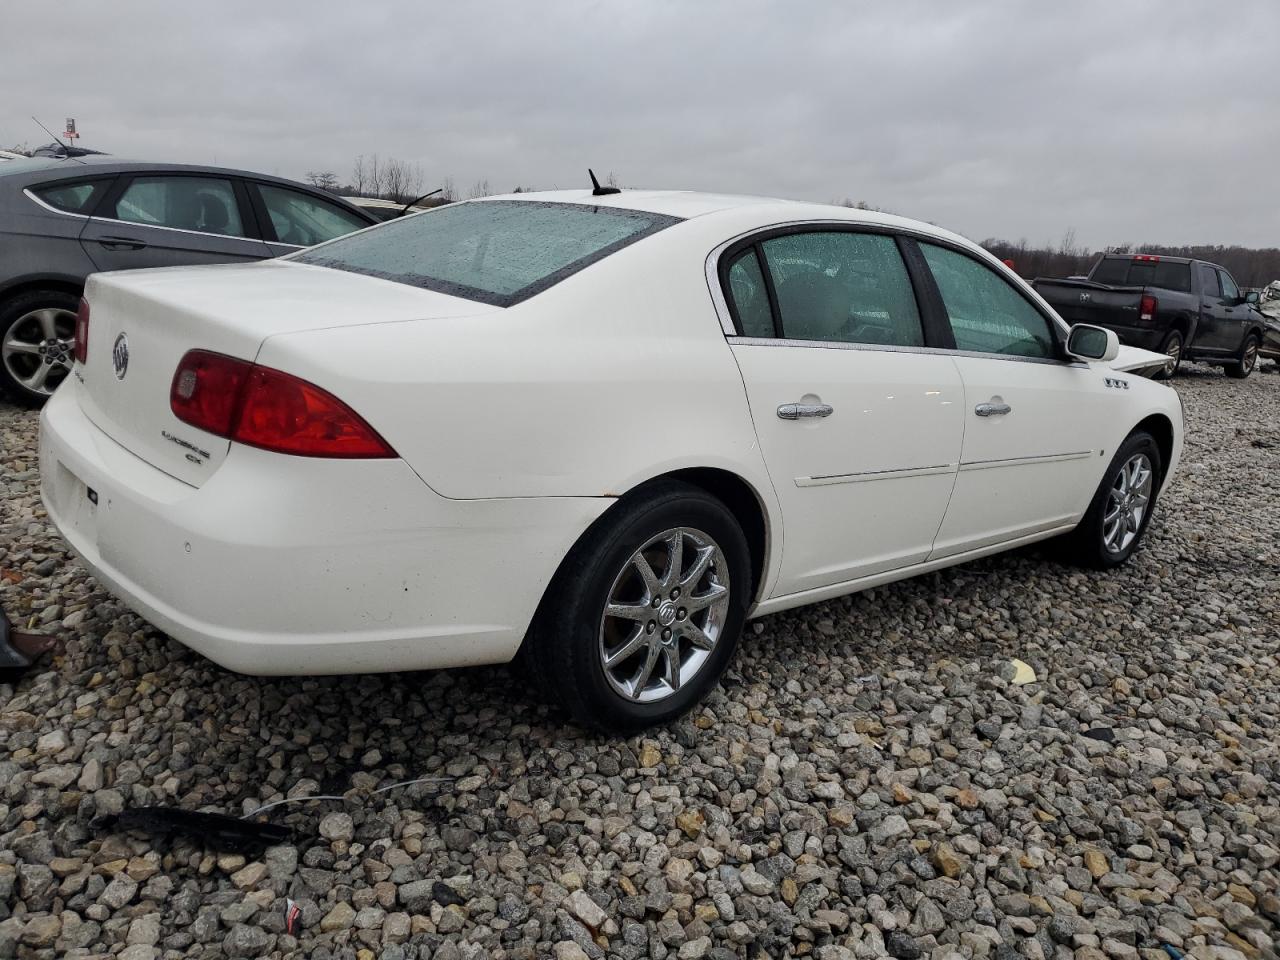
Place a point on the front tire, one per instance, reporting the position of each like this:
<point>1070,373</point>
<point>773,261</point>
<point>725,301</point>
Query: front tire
<point>1248,359</point>
<point>644,615</point>
<point>1121,509</point>
<point>36,333</point>
<point>1173,348</point>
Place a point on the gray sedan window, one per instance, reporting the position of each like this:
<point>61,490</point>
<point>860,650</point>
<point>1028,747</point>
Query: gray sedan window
<point>202,204</point>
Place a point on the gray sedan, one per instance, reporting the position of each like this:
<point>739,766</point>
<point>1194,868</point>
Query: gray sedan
<point>61,220</point>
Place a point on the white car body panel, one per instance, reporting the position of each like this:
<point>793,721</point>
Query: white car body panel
<point>517,428</point>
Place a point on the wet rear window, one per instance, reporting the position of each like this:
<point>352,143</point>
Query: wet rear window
<point>1122,272</point>
<point>494,251</point>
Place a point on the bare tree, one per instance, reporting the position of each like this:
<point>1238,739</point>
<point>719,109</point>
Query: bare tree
<point>480,189</point>
<point>447,192</point>
<point>325,180</point>
<point>359,176</point>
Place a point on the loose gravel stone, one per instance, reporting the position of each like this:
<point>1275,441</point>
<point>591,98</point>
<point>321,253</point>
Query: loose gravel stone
<point>868,781</point>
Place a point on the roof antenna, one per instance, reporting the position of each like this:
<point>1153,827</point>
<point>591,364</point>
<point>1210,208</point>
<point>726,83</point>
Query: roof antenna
<point>63,145</point>
<point>597,190</point>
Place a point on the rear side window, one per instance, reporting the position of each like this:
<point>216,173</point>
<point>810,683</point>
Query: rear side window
<point>1122,272</point>
<point>987,314</point>
<point>304,220</point>
<point>72,197</point>
<point>1209,281</point>
<point>201,204</point>
<point>749,297</point>
<point>843,286</point>
<point>494,251</point>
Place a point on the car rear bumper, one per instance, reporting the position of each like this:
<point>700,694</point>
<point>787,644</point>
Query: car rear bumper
<point>291,565</point>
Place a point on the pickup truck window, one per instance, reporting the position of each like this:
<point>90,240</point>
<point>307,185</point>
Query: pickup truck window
<point>1209,281</point>
<point>1229,289</point>
<point>1125,272</point>
<point>987,314</point>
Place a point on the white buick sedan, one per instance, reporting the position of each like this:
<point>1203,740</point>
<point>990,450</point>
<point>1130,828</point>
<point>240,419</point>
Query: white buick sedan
<point>597,431</point>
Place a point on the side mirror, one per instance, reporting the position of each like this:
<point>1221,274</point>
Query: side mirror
<point>1252,297</point>
<point>1087,342</point>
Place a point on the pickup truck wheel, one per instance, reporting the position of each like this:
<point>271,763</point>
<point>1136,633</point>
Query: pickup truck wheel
<point>36,333</point>
<point>1173,350</point>
<point>1248,359</point>
<point>645,613</point>
<point>1120,511</point>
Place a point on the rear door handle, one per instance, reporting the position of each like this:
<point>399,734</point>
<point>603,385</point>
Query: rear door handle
<point>995,407</point>
<point>122,243</point>
<point>804,411</point>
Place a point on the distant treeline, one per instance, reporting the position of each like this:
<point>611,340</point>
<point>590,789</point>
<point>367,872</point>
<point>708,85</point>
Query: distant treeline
<point>1251,268</point>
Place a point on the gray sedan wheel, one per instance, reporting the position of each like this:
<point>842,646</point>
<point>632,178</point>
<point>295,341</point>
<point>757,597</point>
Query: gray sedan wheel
<point>37,331</point>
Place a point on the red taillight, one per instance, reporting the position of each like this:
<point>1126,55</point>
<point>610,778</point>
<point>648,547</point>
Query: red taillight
<point>1147,308</point>
<point>80,347</point>
<point>267,408</point>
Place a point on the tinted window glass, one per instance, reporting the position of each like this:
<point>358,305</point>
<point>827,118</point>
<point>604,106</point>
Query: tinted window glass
<point>987,314</point>
<point>749,296</point>
<point>849,287</point>
<point>1122,272</point>
<point>204,204</point>
<point>1229,289</point>
<point>1209,282</point>
<point>495,251</point>
<point>304,220</point>
<point>72,197</point>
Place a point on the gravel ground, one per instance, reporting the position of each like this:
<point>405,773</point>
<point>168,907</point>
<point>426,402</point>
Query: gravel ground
<point>867,782</point>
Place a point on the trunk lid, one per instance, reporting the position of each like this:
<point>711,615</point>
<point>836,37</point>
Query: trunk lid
<point>141,323</point>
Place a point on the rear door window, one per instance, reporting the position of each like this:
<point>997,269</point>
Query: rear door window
<point>987,314</point>
<point>748,295</point>
<point>73,197</point>
<point>493,251</point>
<point>1229,289</point>
<point>304,220</point>
<point>199,204</point>
<point>1209,282</point>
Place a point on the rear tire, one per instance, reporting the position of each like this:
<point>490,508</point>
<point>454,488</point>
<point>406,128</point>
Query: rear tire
<point>1121,509</point>
<point>674,629</point>
<point>1248,359</point>
<point>1172,348</point>
<point>36,333</point>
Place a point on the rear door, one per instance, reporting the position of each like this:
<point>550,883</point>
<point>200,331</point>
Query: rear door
<point>171,219</point>
<point>1031,421</point>
<point>860,424</point>
<point>292,219</point>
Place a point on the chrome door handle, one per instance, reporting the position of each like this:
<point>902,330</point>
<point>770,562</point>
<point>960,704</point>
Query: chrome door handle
<point>995,407</point>
<point>803,411</point>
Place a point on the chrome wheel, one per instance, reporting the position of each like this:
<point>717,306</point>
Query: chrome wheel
<point>665,613</point>
<point>1127,503</point>
<point>36,351</point>
<point>1173,350</point>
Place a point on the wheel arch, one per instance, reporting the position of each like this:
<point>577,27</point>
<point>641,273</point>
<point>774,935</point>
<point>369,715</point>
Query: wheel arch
<point>1161,429</point>
<point>61,283</point>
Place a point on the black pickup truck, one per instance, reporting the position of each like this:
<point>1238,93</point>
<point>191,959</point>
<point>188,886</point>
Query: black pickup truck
<point>1185,309</point>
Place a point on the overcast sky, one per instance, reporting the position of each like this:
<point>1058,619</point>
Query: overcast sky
<point>1123,120</point>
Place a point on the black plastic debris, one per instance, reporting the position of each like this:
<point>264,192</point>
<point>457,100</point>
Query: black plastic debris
<point>445,895</point>
<point>18,651</point>
<point>1105,734</point>
<point>215,830</point>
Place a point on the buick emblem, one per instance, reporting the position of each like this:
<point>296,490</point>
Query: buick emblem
<point>120,356</point>
<point>1085,298</point>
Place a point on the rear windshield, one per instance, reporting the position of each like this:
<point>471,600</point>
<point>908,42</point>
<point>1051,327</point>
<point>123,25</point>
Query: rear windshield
<point>1123,272</point>
<point>494,251</point>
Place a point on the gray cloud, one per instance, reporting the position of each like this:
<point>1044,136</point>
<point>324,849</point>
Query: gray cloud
<point>1127,121</point>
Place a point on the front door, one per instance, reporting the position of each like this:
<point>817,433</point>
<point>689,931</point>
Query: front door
<point>1031,421</point>
<point>860,427</point>
<point>165,220</point>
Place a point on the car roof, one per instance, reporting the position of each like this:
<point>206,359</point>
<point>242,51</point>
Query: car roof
<point>688,204</point>
<point>39,169</point>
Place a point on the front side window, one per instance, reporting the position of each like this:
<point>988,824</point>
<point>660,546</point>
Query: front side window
<point>987,315</point>
<point>493,251</point>
<point>843,286</point>
<point>748,295</point>
<point>202,204</point>
<point>72,197</point>
<point>304,220</point>
<point>1229,289</point>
